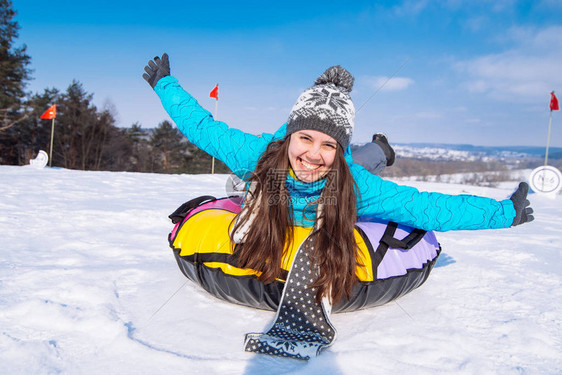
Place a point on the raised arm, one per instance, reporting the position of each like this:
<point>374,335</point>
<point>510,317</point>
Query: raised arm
<point>238,150</point>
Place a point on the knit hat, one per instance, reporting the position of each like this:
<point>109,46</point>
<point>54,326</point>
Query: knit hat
<point>326,107</point>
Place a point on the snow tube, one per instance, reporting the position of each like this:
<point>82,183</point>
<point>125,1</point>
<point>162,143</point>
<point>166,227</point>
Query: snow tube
<point>395,259</point>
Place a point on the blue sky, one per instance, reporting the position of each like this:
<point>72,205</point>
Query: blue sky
<point>477,72</point>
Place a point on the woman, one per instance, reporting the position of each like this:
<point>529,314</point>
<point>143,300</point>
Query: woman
<point>303,175</point>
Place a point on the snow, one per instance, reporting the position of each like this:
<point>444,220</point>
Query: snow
<point>88,285</point>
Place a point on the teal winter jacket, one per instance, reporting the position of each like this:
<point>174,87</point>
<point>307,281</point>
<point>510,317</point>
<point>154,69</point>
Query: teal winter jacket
<point>376,197</point>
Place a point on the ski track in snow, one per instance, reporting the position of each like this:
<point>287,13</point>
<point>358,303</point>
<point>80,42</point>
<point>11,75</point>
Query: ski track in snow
<point>86,271</point>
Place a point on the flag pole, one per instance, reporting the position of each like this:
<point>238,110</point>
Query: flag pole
<point>51,149</point>
<point>548,139</point>
<point>214,95</point>
<point>553,107</point>
<point>216,113</point>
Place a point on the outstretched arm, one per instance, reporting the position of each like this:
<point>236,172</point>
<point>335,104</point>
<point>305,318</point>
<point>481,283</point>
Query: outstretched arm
<point>430,211</point>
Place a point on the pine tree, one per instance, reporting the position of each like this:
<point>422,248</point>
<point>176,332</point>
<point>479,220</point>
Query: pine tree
<point>170,145</point>
<point>14,61</point>
<point>82,133</point>
<point>142,155</point>
<point>13,76</point>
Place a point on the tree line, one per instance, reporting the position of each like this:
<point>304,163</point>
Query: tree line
<point>86,137</point>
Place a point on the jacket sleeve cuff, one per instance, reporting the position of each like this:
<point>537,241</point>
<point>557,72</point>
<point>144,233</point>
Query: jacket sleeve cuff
<point>508,211</point>
<point>163,82</point>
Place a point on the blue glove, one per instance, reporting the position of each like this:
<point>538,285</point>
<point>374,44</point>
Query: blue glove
<point>523,213</point>
<point>156,69</point>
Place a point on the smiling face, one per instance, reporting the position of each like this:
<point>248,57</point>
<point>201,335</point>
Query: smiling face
<point>311,154</point>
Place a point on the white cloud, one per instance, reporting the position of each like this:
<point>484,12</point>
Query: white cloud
<point>384,83</point>
<point>528,70</point>
<point>410,7</point>
<point>475,24</point>
<point>415,7</point>
<point>429,115</point>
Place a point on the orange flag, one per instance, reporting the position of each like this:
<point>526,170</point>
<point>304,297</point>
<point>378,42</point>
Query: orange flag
<point>215,92</point>
<point>554,102</point>
<point>50,113</point>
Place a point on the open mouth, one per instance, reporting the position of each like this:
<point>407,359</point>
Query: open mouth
<point>309,166</point>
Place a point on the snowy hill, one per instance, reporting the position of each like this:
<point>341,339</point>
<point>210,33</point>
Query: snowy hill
<point>88,285</point>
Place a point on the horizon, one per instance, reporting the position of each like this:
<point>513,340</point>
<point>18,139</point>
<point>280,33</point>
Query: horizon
<point>487,67</point>
<point>551,148</point>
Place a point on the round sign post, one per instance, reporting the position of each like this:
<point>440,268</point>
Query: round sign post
<point>546,180</point>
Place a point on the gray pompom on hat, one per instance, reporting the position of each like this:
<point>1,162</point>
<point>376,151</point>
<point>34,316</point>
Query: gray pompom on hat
<point>326,107</point>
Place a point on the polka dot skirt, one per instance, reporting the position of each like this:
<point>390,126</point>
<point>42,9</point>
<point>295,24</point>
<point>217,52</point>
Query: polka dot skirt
<point>301,329</point>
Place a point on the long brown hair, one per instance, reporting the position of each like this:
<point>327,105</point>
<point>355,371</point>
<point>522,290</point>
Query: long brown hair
<point>335,249</point>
